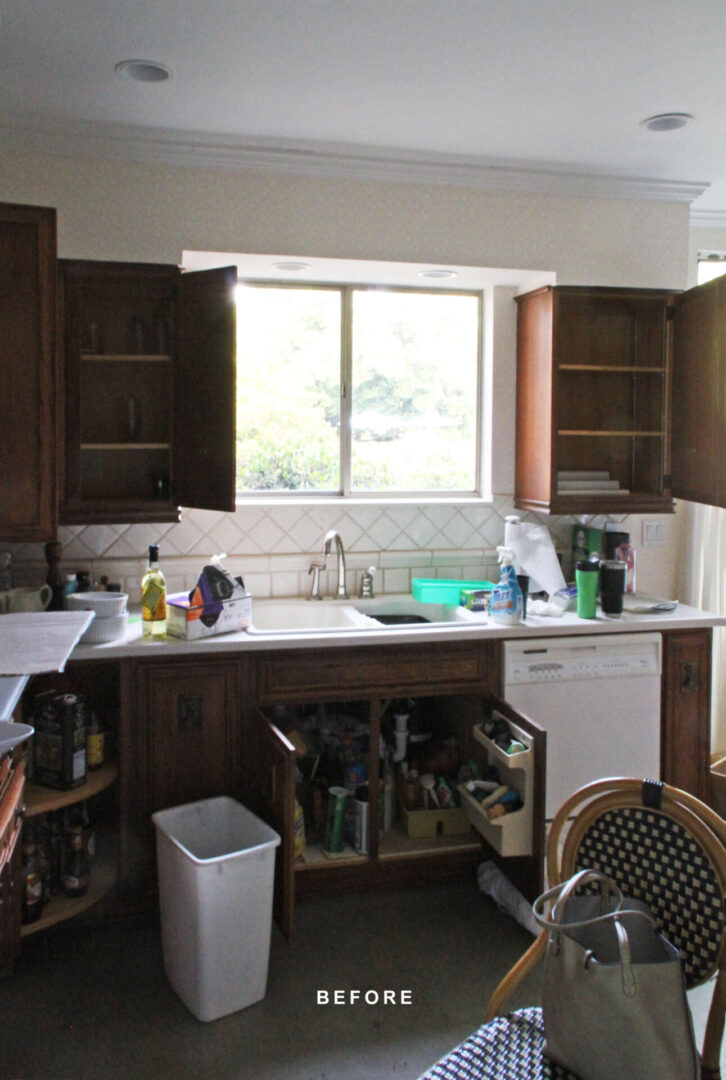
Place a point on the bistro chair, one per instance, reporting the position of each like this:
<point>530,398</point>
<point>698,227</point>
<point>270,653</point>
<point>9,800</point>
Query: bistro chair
<point>662,846</point>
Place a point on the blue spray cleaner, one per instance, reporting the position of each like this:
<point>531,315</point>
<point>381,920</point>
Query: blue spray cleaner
<point>507,603</point>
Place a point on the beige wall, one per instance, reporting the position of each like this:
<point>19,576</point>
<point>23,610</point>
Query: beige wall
<point>113,210</point>
<point>142,212</point>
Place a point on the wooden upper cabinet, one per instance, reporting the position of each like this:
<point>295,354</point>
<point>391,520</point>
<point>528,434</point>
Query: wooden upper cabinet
<point>149,374</point>
<point>699,400</point>
<point>27,311</point>
<point>592,401</point>
<point>205,390</point>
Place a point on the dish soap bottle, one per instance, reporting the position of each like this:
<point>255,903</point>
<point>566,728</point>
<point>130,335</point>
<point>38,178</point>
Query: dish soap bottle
<point>507,604</point>
<point>153,597</point>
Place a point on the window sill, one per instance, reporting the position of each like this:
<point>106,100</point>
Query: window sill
<point>343,501</point>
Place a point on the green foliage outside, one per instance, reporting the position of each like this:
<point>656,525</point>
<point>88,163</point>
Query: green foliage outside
<point>414,398</point>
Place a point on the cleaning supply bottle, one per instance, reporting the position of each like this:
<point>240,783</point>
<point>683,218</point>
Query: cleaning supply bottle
<point>507,604</point>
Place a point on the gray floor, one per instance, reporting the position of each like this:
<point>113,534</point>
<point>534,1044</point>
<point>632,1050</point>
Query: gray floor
<point>92,1003</point>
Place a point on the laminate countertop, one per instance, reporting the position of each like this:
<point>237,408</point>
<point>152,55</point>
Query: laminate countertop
<point>480,628</point>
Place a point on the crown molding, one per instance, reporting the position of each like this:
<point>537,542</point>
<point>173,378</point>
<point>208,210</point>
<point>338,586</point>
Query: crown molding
<point>708,219</point>
<point>329,160</point>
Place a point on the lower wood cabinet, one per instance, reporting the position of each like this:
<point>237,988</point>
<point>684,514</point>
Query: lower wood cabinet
<point>181,732</point>
<point>193,727</point>
<point>686,710</point>
<point>452,689</point>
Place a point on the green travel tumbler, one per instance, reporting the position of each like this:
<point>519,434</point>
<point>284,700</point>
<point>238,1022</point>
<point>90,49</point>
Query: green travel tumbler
<point>587,579</point>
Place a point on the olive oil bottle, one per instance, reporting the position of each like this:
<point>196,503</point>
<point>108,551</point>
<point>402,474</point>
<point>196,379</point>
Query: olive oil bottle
<point>153,597</point>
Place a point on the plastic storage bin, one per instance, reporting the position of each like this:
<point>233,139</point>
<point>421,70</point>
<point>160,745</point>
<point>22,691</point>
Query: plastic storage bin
<point>443,590</point>
<point>216,863</point>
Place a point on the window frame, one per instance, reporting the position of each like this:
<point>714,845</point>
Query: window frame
<point>345,493</point>
<point>707,257</point>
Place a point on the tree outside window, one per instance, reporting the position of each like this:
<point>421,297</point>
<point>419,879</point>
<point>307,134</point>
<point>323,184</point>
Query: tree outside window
<point>352,389</point>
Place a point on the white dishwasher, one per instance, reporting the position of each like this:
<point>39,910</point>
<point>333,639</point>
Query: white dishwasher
<point>598,698</point>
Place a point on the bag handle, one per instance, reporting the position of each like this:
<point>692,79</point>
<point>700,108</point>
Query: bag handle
<point>560,894</point>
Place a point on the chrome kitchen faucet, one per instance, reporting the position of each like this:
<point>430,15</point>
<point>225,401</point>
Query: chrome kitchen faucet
<point>330,537</point>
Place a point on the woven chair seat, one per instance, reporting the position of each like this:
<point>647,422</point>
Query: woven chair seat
<point>508,1048</point>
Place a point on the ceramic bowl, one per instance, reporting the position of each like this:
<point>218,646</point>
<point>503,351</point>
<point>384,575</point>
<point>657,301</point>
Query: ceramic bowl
<point>112,628</point>
<point>104,604</point>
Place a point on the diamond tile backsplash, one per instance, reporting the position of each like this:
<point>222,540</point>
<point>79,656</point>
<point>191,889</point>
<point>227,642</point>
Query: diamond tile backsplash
<point>272,547</point>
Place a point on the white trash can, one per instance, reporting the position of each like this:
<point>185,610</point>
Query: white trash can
<point>216,863</point>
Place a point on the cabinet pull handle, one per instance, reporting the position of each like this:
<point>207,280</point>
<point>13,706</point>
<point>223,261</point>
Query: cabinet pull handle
<point>690,681</point>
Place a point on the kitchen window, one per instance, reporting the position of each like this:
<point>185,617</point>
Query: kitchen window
<point>711,264</point>
<point>358,390</point>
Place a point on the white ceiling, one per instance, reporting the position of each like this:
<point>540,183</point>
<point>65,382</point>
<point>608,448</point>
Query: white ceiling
<point>492,90</point>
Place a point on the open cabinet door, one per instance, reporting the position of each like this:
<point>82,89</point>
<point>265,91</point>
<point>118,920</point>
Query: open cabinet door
<point>28,497</point>
<point>273,776</point>
<point>698,401</point>
<point>528,872</point>
<point>205,391</point>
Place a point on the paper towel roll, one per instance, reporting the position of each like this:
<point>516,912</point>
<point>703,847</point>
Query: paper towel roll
<point>534,554</point>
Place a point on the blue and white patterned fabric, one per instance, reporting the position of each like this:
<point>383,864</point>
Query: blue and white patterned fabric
<point>508,1048</point>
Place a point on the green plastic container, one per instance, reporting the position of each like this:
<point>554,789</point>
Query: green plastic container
<point>443,590</point>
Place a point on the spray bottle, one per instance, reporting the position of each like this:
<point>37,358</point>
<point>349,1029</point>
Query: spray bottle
<point>507,603</point>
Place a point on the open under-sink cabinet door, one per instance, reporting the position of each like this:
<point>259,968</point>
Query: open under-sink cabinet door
<point>698,400</point>
<point>205,394</point>
<point>523,860</point>
<point>273,770</point>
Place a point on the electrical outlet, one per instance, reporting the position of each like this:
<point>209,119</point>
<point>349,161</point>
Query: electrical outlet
<point>654,533</point>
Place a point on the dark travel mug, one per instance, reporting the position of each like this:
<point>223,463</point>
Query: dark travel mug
<point>612,587</point>
<point>523,582</point>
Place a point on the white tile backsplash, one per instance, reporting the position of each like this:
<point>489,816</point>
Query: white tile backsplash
<point>272,547</point>
<point>394,581</point>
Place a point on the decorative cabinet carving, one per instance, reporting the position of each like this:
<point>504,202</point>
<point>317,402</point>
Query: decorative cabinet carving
<point>180,741</point>
<point>686,702</point>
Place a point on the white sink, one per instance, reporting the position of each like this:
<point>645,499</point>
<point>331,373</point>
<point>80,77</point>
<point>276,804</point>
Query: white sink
<point>401,605</point>
<point>298,616</point>
<point>336,616</point>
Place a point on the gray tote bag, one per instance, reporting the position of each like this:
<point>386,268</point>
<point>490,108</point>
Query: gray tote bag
<point>613,993</point>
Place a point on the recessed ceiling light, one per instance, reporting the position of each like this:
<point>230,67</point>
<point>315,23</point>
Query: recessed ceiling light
<point>667,121</point>
<point>142,71</point>
<point>289,265</point>
<point>438,273</point>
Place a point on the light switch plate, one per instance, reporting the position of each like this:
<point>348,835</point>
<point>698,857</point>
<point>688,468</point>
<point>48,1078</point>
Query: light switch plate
<point>654,533</point>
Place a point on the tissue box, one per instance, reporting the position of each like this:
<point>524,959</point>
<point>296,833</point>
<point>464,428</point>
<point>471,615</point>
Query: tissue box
<point>217,604</point>
<point>192,621</point>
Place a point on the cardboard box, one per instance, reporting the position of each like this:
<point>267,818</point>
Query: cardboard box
<point>425,823</point>
<point>193,621</point>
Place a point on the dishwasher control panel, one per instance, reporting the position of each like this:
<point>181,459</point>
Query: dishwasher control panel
<point>573,659</point>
